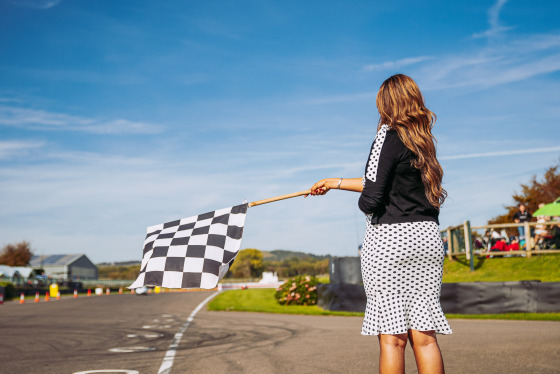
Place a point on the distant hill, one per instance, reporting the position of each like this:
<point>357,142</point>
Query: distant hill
<point>282,254</point>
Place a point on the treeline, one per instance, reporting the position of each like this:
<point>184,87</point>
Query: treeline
<point>545,190</point>
<point>118,271</point>
<point>249,263</point>
<point>296,263</point>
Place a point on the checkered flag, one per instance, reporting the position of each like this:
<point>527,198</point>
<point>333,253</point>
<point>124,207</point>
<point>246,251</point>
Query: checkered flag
<point>193,252</point>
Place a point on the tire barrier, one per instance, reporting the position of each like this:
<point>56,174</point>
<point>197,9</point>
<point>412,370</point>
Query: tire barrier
<point>501,297</point>
<point>462,298</point>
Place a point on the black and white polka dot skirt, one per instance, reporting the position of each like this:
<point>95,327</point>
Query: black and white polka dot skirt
<point>402,266</point>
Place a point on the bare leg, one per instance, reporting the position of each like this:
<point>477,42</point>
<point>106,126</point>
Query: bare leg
<point>426,352</point>
<point>391,353</point>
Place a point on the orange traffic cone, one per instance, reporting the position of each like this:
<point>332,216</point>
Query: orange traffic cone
<point>108,292</point>
<point>132,291</point>
<point>89,292</point>
<point>47,296</point>
<point>58,295</point>
<point>22,298</point>
<point>75,293</point>
<point>120,291</point>
<point>36,297</point>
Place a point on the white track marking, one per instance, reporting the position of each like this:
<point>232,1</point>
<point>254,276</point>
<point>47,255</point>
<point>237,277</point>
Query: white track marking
<point>108,371</point>
<point>170,354</point>
<point>156,327</point>
<point>131,349</point>
<point>144,335</point>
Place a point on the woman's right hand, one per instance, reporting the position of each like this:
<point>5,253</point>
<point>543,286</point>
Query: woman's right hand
<point>323,186</point>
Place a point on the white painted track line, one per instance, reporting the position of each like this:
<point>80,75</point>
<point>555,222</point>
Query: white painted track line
<point>169,357</point>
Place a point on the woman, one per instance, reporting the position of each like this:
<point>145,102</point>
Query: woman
<point>402,254</point>
<point>540,230</point>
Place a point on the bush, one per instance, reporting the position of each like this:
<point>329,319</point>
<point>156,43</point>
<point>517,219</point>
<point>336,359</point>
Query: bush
<point>9,290</point>
<point>300,290</point>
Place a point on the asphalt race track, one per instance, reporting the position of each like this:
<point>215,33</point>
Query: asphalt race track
<point>131,334</point>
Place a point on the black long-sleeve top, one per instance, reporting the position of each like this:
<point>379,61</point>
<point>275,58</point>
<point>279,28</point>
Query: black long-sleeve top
<point>393,189</point>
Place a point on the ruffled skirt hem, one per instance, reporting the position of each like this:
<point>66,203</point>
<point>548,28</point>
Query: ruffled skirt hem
<point>393,314</point>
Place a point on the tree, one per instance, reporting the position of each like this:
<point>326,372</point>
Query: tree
<point>533,193</point>
<point>16,254</point>
<point>248,264</point>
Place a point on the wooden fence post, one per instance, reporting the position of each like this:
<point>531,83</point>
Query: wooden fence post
<point>470,244</point>
<point>449,245</point>
<point>527,238</point>
<point>466,229</point>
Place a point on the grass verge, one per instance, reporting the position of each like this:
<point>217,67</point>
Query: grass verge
<point>538,267</point>
<point>509,316</point>
<point>263,301</point>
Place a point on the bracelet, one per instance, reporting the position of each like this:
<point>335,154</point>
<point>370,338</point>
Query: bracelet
<point>339,183</point>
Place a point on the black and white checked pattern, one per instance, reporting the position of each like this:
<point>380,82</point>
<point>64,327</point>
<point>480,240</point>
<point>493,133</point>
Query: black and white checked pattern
<point>193,252</point>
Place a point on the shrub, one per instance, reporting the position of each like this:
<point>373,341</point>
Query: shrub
<point>300,290</point>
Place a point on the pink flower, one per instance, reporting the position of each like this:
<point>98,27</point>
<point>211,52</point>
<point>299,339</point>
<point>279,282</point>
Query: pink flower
<point>307,296</point>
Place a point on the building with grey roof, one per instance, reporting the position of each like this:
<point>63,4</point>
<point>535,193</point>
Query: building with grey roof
<point>68,267</point>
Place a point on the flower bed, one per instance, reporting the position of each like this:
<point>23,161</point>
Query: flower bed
<point>299,290</point>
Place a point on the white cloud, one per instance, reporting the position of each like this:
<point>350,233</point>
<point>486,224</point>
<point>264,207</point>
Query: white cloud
<point>512,61</point>
<point>36,4</point>
<point>396,64</point>
<point>14,116</point>
<point>501,153</point>
<point>11,148</point>
<point>494,21</point>
<point>44,120</point>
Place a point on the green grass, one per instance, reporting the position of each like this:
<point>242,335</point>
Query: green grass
<point>509,316</point>
<point>324,279</point>
<point>542,267</point>
<point>263,301</point>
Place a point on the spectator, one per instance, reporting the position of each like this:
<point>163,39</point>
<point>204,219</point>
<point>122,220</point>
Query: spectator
<point>555,236</point>
<point>522,215</point>
<point>540,231</point>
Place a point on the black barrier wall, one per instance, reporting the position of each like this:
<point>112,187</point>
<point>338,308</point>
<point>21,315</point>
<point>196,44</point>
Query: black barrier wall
<point>462,298</point>
<point>500,297</point>
<point>345,270</point>
<point>342,297</point>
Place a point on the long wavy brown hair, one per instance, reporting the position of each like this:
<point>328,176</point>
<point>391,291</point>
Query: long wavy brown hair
<point>401,107</point>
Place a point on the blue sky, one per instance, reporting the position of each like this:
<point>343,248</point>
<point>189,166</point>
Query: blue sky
<point>117,115</point>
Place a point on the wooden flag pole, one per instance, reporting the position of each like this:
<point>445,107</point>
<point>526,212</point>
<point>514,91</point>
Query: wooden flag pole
<point>277,198</point>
